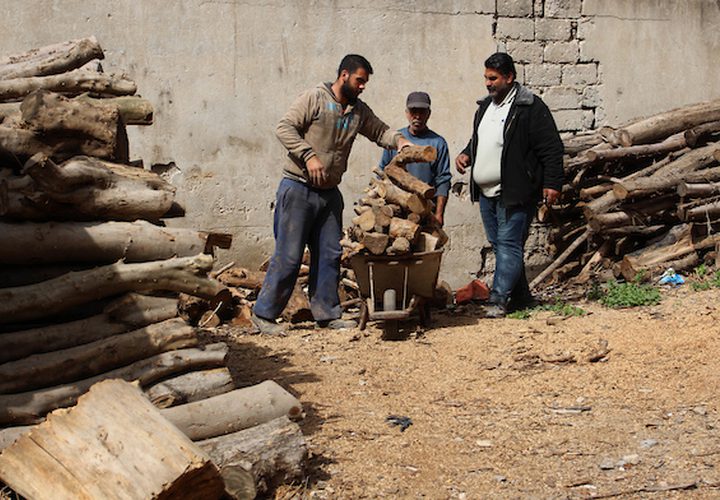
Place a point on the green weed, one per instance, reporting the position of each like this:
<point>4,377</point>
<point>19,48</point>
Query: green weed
<point>618,295</point>
<point>559,307</point>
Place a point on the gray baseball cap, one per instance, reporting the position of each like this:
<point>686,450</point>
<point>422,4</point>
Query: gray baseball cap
<point>418,100</point>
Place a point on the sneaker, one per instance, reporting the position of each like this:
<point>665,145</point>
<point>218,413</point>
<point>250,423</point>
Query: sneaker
<point>495,311</point>
<point>266,326</point>
<point>337,324</point>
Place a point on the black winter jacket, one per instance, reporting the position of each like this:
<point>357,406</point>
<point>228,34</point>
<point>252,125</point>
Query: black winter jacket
<point>532,156</point>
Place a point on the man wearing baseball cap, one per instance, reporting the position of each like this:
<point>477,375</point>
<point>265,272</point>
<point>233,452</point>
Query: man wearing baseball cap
<point>435,173</point>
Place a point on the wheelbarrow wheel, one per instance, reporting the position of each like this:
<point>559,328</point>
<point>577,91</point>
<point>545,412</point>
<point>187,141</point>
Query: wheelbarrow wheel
<point>391,329</point>
<point>362,322</point>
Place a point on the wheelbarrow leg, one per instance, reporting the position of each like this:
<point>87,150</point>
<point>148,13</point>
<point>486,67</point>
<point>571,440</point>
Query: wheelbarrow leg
<point>364,315</point>
<point>391,329</point>
<point>424,311</point>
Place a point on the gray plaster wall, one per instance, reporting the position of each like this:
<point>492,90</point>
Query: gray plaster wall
<point>222,72</point>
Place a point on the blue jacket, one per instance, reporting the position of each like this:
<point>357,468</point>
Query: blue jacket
<point>532,156</point>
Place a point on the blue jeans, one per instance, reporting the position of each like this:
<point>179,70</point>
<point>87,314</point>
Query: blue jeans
<point>507,230</point>
<point>304,216</point>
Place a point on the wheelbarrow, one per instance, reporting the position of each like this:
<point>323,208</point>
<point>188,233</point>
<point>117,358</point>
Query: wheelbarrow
<point>393,286</point>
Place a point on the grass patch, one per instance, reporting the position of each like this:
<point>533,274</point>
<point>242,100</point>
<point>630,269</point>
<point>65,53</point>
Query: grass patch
<point>703,279</point>
<point>620,295</point>
<point>561,308</point>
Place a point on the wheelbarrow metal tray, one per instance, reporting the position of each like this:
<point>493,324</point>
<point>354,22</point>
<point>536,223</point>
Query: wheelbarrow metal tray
<point>389,272</point>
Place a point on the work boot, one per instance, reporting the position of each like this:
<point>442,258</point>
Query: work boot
<point>495,311</point>
<point>337,324</point>
<point>266,326</point>
<point>527,302</point>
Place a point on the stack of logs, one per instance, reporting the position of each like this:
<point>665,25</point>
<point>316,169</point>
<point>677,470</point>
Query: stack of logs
<point>395,216</point>
<point>639,199</point>
<point>91,276</point>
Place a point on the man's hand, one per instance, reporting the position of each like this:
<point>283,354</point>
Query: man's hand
<point>439,218</point>
<point>316,171</point>
<point>550,196</point>
<point>402,142</point>
<point>462,162</point>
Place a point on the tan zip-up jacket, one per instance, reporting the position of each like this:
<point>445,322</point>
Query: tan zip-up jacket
<point>315,125</point>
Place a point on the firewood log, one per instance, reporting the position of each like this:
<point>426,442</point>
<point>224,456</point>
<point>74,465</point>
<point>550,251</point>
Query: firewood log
<point>71,83</point>
<point>113,441</point>
<point>672,143</point>
<point>96,242</point>
<point>120,316</point>
<point>95,189</point>
<point>31,407</point>
<point>133,109</point>
<point>297,309</point>
<point>51,59</point>
<point>241,277</point>
<point>23,144</point>
<point>411,202</point>
<point>255,461</point>
<point>234,411</point>
<point>698,190</point>
<point>74,363</point>
<point>190,387</point>
<point>668,123</point>
<point>413,154</point>
<point>697,135</point>
<point>409,182</point>
<point>399,246</point>
<point>581,142</point>
<point>404,228</point>
<point>186,274</point>
<point>677,243</point>
<point>375,243</point>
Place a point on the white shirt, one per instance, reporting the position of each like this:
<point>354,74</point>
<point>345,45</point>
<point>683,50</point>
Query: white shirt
<point>486,172</point>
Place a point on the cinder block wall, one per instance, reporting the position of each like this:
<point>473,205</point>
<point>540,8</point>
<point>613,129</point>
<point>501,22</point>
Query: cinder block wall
<point>222,72</point>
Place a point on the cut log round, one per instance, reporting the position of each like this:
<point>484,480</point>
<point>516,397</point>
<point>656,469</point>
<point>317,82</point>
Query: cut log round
<point>190,387</point>
<point>31,407</point>
<point>234,411</point>
<point>697,135</point>
<point>263,457</point>
<point>125,314</point>
<point>113,441</point>
<point>186,274</point>
<point>75,363</point>
<point>403,228</point>
<point>399,246</point>
<point>51,59</point>
<point>375,243</point>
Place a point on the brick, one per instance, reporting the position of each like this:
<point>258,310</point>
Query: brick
<point>591,97</point>
<point>542,75</point>
<point>563,8</point>
<point>515,28</point>
<point>572,119</point>
<point>562,98</point>
<point>529,52</point>
<point>579,75</point>
<point>552,29</point>
<point>562,52</point>
<point>520,70</point>
<point>585,56</point>
<point>515,8</point>
<point>585,29</point>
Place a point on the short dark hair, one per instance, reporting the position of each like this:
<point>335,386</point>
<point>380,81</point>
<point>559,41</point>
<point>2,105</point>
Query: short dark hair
<point>502,63</point>
<point>352,62</point>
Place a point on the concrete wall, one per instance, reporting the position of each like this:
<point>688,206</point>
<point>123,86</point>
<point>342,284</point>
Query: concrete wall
<point>222,72</point>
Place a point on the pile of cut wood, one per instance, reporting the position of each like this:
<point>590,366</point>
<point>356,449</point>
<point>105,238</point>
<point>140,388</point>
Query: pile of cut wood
<point>92,279</point>
<point>639,199</point>
<point>395,216</point>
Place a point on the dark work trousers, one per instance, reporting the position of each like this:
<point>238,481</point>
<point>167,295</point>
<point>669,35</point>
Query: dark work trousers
<point>304,216</point>
<point>507,230</point>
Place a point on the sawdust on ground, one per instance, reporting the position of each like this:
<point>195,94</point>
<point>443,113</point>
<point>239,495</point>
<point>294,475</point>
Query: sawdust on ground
<point>508,408</point>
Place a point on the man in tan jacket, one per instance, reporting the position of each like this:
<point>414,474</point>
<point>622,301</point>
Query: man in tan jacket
<point>318,131</point>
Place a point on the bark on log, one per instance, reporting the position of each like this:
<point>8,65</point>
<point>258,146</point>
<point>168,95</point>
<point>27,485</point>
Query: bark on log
<point>706,211</point>
<point>411,202</point>
<point>256,461</point>
<point>96,189</point>
<point>190,387</point>
<point>51,59</point>
<point>134,110</point>
<point>399,246</point>
<point>413,154</point>
<point>127,313</point>
<point>113,441</point>
<point>670,175</point>
<point>402,228</point>
<point>409,182</point>
<point>75,363</point>
<point>676,244</point>
<point>184,274</point>
<point>696,190</point>
<point>297,309</point>
<point>672,143</point>
<point>234,411</point>
<point>559,260</point>
<point>239,277</point>
<point>668,123</point>
<point>697,135</point>
<point>23,144</point>
<point>581,142</point>
<point>71,83</point>
<point>96,242</point>
<point>31,407</point>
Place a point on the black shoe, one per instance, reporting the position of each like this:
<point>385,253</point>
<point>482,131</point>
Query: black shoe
<point>528,302</point>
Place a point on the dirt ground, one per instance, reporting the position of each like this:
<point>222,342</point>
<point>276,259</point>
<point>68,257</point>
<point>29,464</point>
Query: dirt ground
<point>508,408</point>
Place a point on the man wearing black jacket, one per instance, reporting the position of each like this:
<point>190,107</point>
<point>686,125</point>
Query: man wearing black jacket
<point>515,161</point>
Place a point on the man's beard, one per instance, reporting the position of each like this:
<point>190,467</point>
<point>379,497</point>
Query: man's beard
<point>348,93</point>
